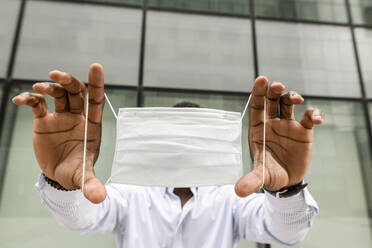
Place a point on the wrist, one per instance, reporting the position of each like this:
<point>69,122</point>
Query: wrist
<point>56,185</point>
<point>287,191</point>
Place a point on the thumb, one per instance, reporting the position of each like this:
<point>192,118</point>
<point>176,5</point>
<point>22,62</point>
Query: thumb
<point>249,183</point>
<point>93,190</point>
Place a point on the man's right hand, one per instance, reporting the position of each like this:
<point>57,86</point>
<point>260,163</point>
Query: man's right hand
<point>59,137</point>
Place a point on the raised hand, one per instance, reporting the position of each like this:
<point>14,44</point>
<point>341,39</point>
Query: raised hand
<point>288,142</point>
<point>59,137</point>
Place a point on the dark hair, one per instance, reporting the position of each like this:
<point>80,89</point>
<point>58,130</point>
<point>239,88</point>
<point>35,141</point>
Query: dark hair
<point>186,104</point>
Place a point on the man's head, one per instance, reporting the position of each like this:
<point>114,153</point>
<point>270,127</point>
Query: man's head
<point>186,104</point>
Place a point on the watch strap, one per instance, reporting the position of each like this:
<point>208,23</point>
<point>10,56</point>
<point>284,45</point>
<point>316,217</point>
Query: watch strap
<point>288,191</point>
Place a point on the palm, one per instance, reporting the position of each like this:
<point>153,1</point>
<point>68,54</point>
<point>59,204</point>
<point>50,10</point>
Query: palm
<point>288,151</point>
<point>59,137</point>
<point>58,144</point>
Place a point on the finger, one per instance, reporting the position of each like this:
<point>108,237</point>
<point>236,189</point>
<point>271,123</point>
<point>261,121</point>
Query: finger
<point>273,97</point>
<point>256,114</point>
<point>35,101</point>
<point>75,90</point>
<point>57,92</point>
<point>312,117</point>
<point>249,183</point>
<point>287,102</point>
<point>94,190</point>
<point>96,93</point>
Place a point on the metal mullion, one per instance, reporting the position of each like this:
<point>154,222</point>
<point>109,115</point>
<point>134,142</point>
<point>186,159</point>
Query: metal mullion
<point>254,38</point>
<point>6,93</point>
<point>14,48</point>
<point>92,2</point>
<point>142,55</point>
<point>198,12</point>
<point>366,26</point>
<point>291,20</point>
<point>256,71</point>
<point>365,110</point>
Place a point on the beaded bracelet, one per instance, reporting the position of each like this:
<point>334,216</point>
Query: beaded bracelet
<point>56,185</point>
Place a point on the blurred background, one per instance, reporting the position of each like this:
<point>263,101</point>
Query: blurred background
<point>159,52</point>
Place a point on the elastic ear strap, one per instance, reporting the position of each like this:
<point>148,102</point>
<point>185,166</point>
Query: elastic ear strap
<point>112,109</point>
<point>108,180</point>
<point>264,147</point>
<point>85,141</point>
<point>246,107</point>
<point>116,117</point>
<point>264,137</point>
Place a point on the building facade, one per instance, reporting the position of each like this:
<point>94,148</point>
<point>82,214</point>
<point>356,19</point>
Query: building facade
<point>159,52</point>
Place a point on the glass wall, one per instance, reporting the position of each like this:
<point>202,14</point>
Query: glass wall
<point>312,59</point>
<point>315,10</point>
<point>362,11</point>
<point>198,52</point>
<point>160,52</point>
<point>8,17</point>
<point>70,37</point>
<point>364,41</point>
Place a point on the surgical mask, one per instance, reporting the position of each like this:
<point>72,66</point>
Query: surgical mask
<point>177,147</point>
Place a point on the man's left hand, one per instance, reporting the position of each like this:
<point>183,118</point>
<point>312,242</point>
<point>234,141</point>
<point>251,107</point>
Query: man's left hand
<point>288,142</point>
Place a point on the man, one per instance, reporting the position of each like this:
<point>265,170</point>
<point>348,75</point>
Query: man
<point>181,217</point>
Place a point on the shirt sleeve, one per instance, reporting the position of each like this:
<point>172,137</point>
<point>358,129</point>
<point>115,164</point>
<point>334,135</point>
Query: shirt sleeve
<point>266,219</point>
<point>73,211</point>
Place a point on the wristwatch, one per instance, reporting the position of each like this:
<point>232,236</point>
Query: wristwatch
<point>287,191</point>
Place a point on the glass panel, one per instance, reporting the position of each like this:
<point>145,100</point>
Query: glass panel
<point>199,52</point>
<point>8,21</point>
<point>336,177</point>
<point>34,226</point>
<point>317,10</point>
<point>361,11</point>
<point>364,42</point>
<point>134,2</point>
<point>70,37</point>
<point>222,6</point>
<point>216,101</point>
<point>312,59</point>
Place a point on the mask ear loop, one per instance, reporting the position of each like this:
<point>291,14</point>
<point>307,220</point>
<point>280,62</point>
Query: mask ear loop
<point>85,141</point>
<point>264,148</point>
<point>86,134</point>
<point>264,137</point>
<point>116,117</point>
<point>112,109</point>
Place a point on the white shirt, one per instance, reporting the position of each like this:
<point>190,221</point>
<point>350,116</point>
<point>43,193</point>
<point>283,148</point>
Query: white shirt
<point>144,217</point>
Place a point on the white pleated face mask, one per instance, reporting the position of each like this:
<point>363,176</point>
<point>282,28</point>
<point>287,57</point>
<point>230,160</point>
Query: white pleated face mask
<point>177,147</point>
